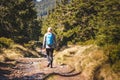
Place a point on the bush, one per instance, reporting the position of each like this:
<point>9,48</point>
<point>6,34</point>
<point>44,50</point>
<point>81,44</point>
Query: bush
<point>101,40</point>
<point>33,44</point>
<point>29,45</point>
<point>114,56</point>
<point>6,42</point>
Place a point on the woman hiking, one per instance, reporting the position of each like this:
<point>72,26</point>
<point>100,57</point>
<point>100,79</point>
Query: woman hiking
<point>49,43</point>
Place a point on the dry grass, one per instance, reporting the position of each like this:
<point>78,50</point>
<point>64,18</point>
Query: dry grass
<point>107,73</point>
<point>86,59</point>
<point>17,51</point>
<point>52,78</point>
<point>2,58</point>
<point>12,54</point>
<point>65,57</point>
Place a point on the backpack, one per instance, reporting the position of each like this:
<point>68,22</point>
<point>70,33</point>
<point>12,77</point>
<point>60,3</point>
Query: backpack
<point>49,39</point>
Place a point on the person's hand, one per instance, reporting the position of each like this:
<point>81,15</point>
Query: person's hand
<point>43,49</point>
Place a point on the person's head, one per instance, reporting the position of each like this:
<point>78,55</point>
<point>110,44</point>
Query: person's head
<point>49,29</point>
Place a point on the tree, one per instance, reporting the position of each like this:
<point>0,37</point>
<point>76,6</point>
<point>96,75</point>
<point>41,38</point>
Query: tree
<point>18,20</point>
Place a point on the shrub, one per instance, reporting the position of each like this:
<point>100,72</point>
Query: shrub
<point>114,56</point>
<point>6,42</point>
<point>33,44</point>
<point>29,45</point>
<point>101,40</point>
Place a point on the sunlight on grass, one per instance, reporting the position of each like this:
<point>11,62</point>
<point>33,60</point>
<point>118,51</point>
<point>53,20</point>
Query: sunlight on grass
<point>16,51</point>
<point>53,77</point>
<point>2,58</point>
<point>11,55</point>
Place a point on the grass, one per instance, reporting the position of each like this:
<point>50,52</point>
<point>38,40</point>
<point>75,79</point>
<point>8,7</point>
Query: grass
<point>2,58</point>
<point>86,59</point>
<point>16,51</point>
<point>12,54</point>
<point>107,73</point>
<point>53,77</point>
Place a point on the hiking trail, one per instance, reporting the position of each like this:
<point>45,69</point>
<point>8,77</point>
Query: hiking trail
<point>36,69</point>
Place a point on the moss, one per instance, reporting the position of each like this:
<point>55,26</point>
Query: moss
<point>6,42</point>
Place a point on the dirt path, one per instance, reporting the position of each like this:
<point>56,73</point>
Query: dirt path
<point>36,69</point>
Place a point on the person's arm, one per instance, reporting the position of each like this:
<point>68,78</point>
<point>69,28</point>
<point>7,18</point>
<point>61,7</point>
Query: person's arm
<point>44,41</point>
<point>55,41</point>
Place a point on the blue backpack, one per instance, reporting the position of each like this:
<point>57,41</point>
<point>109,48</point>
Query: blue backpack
<point>49,39</point>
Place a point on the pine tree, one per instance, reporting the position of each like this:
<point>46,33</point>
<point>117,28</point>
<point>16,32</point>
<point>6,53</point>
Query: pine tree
<point>17,20</point>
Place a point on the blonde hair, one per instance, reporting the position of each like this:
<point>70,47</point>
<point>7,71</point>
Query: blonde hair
<point>49,29</point>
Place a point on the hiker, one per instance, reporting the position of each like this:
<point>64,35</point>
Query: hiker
<point>49,43</point>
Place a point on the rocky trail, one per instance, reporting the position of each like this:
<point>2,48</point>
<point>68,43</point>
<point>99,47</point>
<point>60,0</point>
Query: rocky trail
<point>36,69</point>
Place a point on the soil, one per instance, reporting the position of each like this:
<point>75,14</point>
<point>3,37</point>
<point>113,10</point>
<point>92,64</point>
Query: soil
<point>36,69</point>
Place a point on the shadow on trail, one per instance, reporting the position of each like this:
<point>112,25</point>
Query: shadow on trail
<point>42,54</point>
<point>4,71</point>
<point>28,53</point>
<point>38,76</point>
<point>42,76</point>
<point>61,74</point>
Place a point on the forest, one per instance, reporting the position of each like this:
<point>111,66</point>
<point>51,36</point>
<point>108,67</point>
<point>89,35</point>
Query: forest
<point>75,22</point>
<point>44,7</point>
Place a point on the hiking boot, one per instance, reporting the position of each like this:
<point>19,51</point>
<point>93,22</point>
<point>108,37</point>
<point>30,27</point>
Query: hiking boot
<point>48,65</point>
<point>51,66</point>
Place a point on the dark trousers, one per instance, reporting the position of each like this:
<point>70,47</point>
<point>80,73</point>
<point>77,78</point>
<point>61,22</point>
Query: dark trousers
<point>49,52</point>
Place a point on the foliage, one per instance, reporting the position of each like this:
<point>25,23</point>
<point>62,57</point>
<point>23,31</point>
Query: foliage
<point>33,45</point>
<point>6,42</point>
<point>81,20</point>
<point>45,7</point>
<point>18,20</point>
